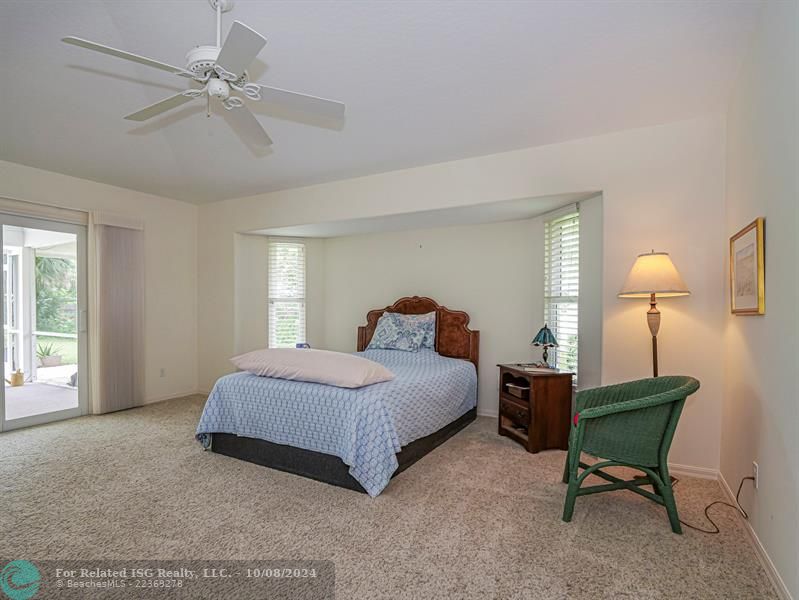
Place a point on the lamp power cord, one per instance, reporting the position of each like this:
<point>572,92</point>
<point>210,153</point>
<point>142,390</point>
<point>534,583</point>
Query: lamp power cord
<point>737,506</point>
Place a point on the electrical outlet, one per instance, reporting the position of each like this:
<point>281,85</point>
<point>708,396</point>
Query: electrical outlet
<point>756,473</point>
<point>163,372</point>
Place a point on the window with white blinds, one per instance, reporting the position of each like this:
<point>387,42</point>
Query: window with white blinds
<point>562,285</point>
<point>286,290</point>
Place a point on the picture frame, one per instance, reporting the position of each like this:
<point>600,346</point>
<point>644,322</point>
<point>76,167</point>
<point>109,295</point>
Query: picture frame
<point>748,270</point>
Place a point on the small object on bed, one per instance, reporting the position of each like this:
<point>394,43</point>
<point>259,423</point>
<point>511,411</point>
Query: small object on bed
<point>394,333</point>
<point>425,322</point>
<point>315,366</point>
<point>453,337</point>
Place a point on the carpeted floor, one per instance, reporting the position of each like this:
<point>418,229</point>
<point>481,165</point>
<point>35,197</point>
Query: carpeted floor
<point>476,518</point>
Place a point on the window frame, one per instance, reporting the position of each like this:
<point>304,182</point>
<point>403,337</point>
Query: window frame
<point>553,298</point>
<point>290,299</point>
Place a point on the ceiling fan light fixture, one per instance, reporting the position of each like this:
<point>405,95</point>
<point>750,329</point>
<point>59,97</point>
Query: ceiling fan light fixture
<point>218,88</point>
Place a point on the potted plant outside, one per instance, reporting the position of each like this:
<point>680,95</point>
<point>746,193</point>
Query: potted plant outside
<point>48,355</point>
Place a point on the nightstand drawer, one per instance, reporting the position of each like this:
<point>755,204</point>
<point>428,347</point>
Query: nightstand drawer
<point>519,391</point>
<point>515,412</point>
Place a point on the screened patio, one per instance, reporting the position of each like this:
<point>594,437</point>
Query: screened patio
<point>39,321</point>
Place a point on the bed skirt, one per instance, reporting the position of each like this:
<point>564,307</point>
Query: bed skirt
<point>325,467</point>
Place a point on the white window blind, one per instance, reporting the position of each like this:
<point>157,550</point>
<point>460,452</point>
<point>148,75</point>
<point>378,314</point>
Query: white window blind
<point>286,289</point>
<point>562,285</point>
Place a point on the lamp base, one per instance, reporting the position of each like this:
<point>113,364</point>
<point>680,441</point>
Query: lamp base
<point>653,320</point>
<point>654,356</point>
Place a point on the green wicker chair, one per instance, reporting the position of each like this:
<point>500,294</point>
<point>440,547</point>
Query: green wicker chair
<point>631,425</point>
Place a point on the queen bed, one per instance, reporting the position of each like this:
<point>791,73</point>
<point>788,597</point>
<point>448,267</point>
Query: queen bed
<point>353,438</point>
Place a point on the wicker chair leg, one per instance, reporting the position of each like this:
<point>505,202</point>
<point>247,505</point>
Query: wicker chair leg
<point>571,496</point>
<point>671,506</point>
<point>571,476</point>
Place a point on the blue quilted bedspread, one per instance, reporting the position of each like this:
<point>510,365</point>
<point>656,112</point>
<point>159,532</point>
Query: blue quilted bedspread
<point>364,427</point>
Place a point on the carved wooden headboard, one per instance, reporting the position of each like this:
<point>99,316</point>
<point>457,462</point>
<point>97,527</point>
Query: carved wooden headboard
<point>453,336</point>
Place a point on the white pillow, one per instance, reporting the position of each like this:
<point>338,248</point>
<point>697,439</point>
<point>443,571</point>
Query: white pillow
<point>317,366</point>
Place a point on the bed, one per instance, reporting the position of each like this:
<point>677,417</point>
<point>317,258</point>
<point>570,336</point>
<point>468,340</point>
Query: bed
<point>354,438</point>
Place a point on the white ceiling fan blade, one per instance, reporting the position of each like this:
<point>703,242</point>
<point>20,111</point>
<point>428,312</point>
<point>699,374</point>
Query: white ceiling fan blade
<point>247,126</point>
<point>126,55</point>
<point>159,107</point>
<point>302,102</point>
<point>241,47</point>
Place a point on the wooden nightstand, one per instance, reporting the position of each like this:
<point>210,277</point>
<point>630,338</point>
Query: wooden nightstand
<point>537,418</point>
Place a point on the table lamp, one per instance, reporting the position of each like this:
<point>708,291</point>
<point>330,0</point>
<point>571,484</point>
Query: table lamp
<point>653,276</point>
<point>545,338</point>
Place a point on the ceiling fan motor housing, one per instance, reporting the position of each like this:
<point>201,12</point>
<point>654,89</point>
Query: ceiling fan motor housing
<point>224,5</point>
<point>201,59</point>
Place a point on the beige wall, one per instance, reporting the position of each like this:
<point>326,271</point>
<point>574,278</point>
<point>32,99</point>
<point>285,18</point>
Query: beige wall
<point>493,271</point>
<point>251,275</point>
<point>662,188</point>
<point>760,414</point>
<point>591,286</point>
<point>170,230</point>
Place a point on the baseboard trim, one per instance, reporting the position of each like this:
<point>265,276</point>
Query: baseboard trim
<point>774,576</point>
<point>172,397</point>
<point>691,471</point>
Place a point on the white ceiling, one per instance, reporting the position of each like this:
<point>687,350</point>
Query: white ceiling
<point>490,212</point>
<point>424,82</point>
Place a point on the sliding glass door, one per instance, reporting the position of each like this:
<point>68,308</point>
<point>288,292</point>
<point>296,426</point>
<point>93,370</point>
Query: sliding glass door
<point>44,321</point>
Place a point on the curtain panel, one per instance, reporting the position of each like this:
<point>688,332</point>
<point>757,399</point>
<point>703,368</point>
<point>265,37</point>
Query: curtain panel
<point>116,309</point>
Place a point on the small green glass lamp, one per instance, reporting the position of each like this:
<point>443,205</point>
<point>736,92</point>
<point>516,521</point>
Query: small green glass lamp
<point>545,338</point>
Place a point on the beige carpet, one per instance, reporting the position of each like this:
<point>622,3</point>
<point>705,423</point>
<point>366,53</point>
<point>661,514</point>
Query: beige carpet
<point>477,518</point>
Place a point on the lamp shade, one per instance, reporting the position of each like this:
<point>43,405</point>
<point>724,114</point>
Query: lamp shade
<point>544,337</point>
<point>653,273</point>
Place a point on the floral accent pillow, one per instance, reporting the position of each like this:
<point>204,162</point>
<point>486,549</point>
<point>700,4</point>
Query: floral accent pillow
<point>426,323</point>
<point>392,333</point>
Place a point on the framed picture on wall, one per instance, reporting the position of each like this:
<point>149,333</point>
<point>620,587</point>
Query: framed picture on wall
<point>747,270</point>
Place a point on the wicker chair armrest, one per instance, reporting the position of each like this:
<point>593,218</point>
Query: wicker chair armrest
<point>609,394</point>
<point>639,403</point>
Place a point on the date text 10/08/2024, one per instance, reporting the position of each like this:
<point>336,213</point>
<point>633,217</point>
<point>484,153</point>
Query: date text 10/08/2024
<point>183,573</point>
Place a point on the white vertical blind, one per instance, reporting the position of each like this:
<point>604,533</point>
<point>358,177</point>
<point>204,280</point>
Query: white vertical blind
<point>286,281</point>
<point>562,285</point>
<point>117,311</point>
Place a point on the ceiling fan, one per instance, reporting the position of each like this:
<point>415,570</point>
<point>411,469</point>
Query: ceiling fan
<point>221,71</point>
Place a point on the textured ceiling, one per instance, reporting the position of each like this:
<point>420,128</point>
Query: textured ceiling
<point>424,82</point>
